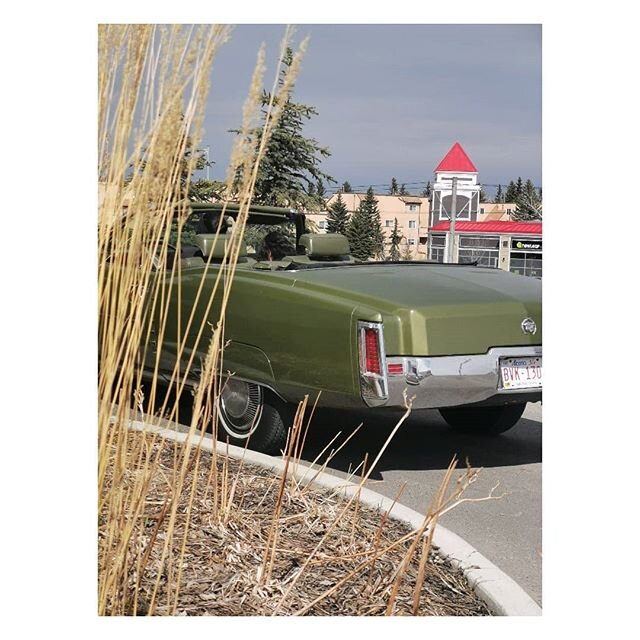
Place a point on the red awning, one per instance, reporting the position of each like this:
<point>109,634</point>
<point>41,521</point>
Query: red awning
<point>506,227</point>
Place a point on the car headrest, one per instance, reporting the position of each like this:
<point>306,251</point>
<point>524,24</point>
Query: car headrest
<point>214,245</point>
<point>324,245</point>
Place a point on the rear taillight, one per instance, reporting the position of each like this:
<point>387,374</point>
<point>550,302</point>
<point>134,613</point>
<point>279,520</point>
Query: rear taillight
<point>372,350</point>
<point>373,374</point>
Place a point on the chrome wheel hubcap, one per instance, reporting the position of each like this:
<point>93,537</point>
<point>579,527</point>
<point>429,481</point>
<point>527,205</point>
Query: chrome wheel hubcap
<point>240,407</point>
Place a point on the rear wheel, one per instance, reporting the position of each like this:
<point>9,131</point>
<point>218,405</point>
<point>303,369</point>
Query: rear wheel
<point>484,420</point>
<point>252,416</point>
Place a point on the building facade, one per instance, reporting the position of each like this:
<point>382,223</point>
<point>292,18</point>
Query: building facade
<point>411,212</point>
<point>484,232</point>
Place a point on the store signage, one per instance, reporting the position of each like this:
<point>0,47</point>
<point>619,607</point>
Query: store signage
<point>526,245</point>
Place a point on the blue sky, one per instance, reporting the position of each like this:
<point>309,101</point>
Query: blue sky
<point>392,99</point>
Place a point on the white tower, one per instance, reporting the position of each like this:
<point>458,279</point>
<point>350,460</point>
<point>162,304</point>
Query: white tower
<point>455,164</point>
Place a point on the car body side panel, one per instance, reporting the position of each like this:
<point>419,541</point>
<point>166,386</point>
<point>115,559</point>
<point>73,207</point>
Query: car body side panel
<point>295,331</point>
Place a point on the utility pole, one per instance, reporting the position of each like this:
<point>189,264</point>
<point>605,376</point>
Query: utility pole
<point>451,237</point>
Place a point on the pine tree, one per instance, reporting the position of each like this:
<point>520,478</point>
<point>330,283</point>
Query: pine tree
<point>483,194</point>
<point>519,188</point>
<point>499,195</point>
<point>393,189</point>
<point>359,234</point>
<point>365,229</point>
<point>396,239</point>
<point>338,217</point>
<point>346,187</point>
<point>403,191</point>
<point>406,252</point>
<point>511,193</point>
<point>426,193</point>
<point>290,169</point>
<point>528,205</point>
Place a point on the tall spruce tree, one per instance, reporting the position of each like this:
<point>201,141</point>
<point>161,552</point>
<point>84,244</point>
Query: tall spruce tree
<point>395,240</point>
<point>365,229</point>
<point>528,204</point>
<point>511,194</point>
<point>483,194</point>
<point>403,191</point>
<point>519,188</point>
<point>393,189</point>
<point>360,236</point>
<point>289,172</point>
<point>499,197</point>
<point>346,187</point>
<point>426,192</point>
<point>338,216</point>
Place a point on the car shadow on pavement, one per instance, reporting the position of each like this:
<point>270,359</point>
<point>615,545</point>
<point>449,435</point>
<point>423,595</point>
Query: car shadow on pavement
<point>422,442</point>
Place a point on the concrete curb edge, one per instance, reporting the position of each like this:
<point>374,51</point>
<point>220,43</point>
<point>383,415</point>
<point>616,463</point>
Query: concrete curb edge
<point>502,594</point>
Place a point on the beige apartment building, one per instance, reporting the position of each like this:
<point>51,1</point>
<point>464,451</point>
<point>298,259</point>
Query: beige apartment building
<point>412,213</point>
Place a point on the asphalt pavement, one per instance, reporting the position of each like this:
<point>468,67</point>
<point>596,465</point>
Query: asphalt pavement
<point>507,531</point>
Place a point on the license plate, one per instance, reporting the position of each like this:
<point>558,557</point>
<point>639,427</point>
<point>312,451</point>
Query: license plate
<point>521,373</point>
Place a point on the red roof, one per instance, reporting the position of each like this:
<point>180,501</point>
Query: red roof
<point>456,160</point>
<point>493,226</point>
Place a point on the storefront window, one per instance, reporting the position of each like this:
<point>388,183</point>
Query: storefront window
<point>481,249</point>
<point>436,248</point>
<point>526,264</point>
<point>526,257</point>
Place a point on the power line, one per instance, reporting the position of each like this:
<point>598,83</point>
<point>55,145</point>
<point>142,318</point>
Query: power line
<point>387,185</point>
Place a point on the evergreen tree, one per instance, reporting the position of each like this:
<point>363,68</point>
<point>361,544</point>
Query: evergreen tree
<point>289,171</point>
<point>511,194</point>
<point>365,229</point>
<point>483,194</point>
<point>396,239</point>
<point>320,189</point>
<point>338,217</point>
<point>403,191</point>
<point>393,189</point>
<point>426,193</point>
<point>359,234</point>
<point>528,205</point>
<point>346,187</point>
<point>406,252</point>
<point>519,188</point>
<point>499,195</point>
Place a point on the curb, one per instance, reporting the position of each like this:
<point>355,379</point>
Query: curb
<point>501,594</point>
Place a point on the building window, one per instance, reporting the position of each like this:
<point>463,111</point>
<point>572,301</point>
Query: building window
<point>412,241</point>
<point>480,249</point>
<point>388,223</point>
<point>436,248</point>
<point>481,209</point>
<point>322,224</point>
<point>526,264</point>
<point>412,224</point>
<point>412,207</point>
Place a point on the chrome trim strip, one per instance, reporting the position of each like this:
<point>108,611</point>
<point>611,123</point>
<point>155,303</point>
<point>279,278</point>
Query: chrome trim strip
<point>449,381</point>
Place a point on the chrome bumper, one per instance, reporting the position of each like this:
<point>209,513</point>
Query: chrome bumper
<point>448,381</point>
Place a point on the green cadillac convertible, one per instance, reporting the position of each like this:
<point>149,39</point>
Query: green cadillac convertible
<point>459,338</point>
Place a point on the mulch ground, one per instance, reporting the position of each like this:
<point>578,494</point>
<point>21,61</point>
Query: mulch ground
<point>226,542</point>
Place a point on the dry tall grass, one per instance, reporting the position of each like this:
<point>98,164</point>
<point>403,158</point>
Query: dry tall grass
<point>153,83</point>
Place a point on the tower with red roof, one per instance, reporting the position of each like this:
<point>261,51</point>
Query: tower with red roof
<point>456,163</point>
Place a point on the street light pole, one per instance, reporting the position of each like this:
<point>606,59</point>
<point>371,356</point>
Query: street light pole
<point>452,221</point>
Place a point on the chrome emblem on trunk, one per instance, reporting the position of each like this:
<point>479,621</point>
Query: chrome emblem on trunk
<point>528,326</point>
